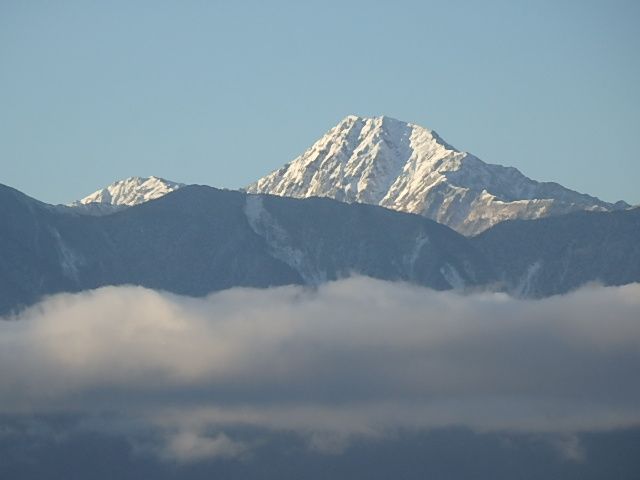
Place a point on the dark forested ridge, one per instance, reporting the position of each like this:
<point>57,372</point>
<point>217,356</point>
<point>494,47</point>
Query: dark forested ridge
<point>199,239</point>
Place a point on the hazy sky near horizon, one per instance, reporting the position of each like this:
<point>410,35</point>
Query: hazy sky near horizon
<point>221,93</point>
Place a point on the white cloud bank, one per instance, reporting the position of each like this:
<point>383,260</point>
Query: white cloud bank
<point>354,357</point>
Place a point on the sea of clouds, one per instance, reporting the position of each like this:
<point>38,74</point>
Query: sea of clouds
<point>352,359</point>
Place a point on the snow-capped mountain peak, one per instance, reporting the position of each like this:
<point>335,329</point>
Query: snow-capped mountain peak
<point>406,167</point>
<point>356,161</point>
<point>130,191</point>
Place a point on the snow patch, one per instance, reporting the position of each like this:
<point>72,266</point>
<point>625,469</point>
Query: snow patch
<point>70,261</point>
<point>453,278</point>
<point>410,260</point>
<point>263,224</point>
<point>525,286</point>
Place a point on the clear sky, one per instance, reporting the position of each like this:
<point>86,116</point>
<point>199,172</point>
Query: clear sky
<point>222,92</point>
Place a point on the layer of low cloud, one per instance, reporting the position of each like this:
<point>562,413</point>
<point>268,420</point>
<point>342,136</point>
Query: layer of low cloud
<point>356,357</point>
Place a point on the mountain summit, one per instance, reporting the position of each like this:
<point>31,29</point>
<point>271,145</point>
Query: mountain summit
<point>122,194</point>
<point>131,191</point>
<point>406,167</point>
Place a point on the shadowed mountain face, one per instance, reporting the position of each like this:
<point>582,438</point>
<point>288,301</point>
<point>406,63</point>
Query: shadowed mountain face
<point>557,254</point>
<point>200,239</point>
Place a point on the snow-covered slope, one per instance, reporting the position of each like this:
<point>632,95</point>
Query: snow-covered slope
<point>132,191</point>
<point>125,193</point>
<point>406,167</point>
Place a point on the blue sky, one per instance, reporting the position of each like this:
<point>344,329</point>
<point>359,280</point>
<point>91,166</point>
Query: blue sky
<point>221,93</point>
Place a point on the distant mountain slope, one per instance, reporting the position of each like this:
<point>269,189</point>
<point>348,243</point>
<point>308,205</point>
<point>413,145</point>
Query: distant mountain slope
<point>199,239</point>
<point>31,262</point>
<point>557,254</point>
<point>405,167</point>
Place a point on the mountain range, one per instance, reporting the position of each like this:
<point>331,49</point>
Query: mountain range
<point>198,239</point>
<point>374,196</point>
<point>394,164</point>
<point>334,215</point>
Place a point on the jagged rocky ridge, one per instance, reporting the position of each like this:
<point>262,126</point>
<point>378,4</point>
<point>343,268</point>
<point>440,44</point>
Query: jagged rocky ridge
<point>405,167</point>
<point>197,240</point>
